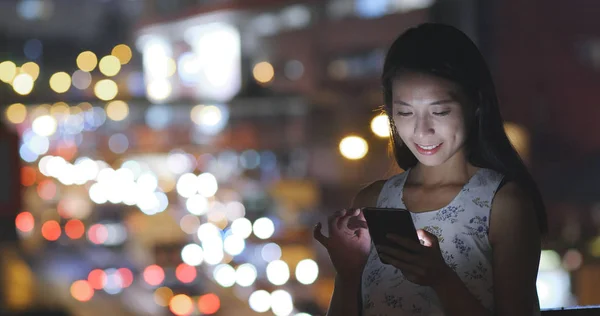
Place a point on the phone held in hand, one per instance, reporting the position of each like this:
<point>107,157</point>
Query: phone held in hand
<point>383,221</point>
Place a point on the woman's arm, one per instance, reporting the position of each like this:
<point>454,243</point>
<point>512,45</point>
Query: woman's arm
<point>346,298</point>
<point>516,242</point>
<point>515,239</point>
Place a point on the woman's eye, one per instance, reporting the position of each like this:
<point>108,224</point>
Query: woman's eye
<point>404,113</point>
<point>444,113</point>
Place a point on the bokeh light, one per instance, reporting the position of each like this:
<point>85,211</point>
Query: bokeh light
<point>109,65</point>
<point>263,228</point>
<point>278,272</point>
<point>60,82</point>
<point>31,69</point>
<point>245,274</point>
<point>44,125</point>
<point>97,279</point>
<point>270,252</point>
<point>162,296</point>
<point>97,234</point>
<point>225,275</point>
<point>8,71</point>
<point>307,271</point>
<point>354,147</point>
<point>192,254</point>
<point>81,79</point>
<point>189,224</point>
<point>51,230</point>
<point>25,222</point>
<point>263,72</point>
<point>117,110</point>
<point>82,291</point>
<point>159,90</point>
<point>209,304</point>
<point>181,304</point>
<point>46,189</point>
<point>126,277</point>
<point>87,61</point>
<point>106,89</point>
<point>154,275</point>
<point>28,176</point>
<point>16,113</point>
<point>281,303</point>
<point>23,84</point>
<point>380,125</point>
<point>123,53</point>
<point>260,301</point>
<point>74,229</point>
<point>185,273</point>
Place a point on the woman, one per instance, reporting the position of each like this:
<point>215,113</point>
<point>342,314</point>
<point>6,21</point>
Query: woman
<point>478,212</point>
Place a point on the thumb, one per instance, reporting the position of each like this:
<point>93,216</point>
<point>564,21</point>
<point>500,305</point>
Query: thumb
<point>318,235</point>
<point>427,239</point>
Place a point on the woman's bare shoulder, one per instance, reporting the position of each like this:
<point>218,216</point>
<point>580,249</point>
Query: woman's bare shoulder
<point>368,195</point>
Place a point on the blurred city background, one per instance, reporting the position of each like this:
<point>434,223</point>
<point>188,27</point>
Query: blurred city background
<point>170,157</point>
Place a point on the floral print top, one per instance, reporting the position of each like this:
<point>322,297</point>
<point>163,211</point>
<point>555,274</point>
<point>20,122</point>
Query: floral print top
<point>462,230</point>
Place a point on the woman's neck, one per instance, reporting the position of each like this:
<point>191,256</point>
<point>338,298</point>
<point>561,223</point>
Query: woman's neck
<point>456,170</point>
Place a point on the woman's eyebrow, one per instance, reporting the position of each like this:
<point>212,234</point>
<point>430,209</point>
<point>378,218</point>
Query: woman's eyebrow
<point>439,102</point>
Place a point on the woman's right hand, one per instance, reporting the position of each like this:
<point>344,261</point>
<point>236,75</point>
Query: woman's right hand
<point>348,244</point>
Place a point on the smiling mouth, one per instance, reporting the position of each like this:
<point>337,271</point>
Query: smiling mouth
<point>429,147</point>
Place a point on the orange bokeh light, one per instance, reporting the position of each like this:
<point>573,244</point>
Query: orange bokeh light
<point>51,230</point>
<point>209,303</point>
<point>82,291</point>
<point>74,229</point>
<point>97,279</point>
<point>185,273</point>
<point>46,189</point>
<point>181,304</point>
<point>28,176</point>
<point>154,275</point>
<point>126,277</point>
<point>25,222</point>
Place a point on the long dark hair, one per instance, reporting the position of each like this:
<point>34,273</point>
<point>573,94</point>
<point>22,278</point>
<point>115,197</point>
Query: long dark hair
<point>448,53</point>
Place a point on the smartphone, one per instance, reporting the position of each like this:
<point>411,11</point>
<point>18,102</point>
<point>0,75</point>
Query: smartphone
<point>383,221</point>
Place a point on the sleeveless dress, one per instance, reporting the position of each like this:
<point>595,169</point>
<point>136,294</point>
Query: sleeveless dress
<point>462,230</point>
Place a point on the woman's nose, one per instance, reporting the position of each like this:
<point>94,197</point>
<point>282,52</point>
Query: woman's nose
<point>424,127</point>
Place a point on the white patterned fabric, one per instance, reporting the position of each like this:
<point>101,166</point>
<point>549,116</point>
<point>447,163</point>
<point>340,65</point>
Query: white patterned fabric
<point>462,230</point>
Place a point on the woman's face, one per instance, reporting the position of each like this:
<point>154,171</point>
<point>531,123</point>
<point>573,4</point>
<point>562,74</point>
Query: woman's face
<point>429,117</point>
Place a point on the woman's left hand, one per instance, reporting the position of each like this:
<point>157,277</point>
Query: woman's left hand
<point>422,263</point>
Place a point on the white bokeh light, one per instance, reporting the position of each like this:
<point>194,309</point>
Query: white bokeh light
<point>278,272</point>
<point>209,231</point>
<point>234,245</point>
<point>187,185</point>
<point>242,227</point>
<point>307,271</point>
<point>225,275</point>
<point>44,125</point>
<point>260,301</point>
<point>207,184</point>
<point>263,228</point>
<point>281,303</point>
<point>192,254</point>
<point>197,204</point>
<point>245,275</point>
